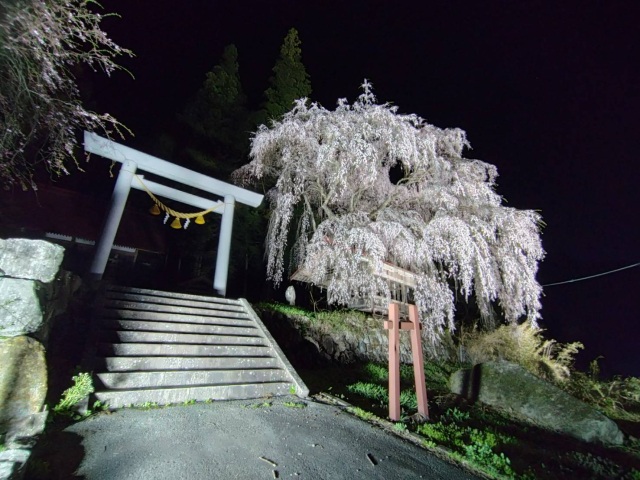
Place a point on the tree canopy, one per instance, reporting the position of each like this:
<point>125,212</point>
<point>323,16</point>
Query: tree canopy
<point>218,117</point>
<point>363,184</point>
<point>290,80</point>
<point>40,107</point>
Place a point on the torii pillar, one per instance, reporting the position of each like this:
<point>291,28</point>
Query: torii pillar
<point>394,325</point>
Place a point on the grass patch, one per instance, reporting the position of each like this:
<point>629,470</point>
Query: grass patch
<point>491,440</point>
<point>361,413</point>
<point>497,443</point>
<point>339,320</point>
<point>479,447</point>
<point>295,404</point>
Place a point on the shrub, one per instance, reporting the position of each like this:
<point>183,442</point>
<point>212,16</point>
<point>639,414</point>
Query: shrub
<point>525,345</point>
<point>617,398</point>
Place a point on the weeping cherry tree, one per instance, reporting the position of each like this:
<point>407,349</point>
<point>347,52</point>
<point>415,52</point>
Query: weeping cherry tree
<point>363,185</point>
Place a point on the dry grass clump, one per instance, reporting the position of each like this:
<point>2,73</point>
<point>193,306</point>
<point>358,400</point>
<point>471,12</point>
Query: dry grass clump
<point>525,345</point>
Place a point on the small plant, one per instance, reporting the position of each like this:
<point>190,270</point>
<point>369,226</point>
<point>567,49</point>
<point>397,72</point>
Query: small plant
<point>148,405</point>
<point>82,387</point>
<point>399,426</point>
<point>376,372</point>
<point>295,404</point>
<point>455,415</point>
<point>189,402</point>
<point>292,390</point>
<point>409,400</point>
<point>371,391</point>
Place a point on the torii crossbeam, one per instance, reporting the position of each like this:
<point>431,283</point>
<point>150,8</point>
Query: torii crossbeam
<point>134,160</point>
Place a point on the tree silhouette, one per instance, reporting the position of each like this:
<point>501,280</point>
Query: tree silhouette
<point>290,80</point>
<point>218,118</point>
<point>40,107</point>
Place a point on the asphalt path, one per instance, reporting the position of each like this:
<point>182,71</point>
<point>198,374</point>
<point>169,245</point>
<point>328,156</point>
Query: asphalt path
<point>249,439</point>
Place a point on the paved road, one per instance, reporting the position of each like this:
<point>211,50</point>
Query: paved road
<point>226,440</point>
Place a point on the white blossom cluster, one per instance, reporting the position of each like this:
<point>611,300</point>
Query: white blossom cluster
<point>442,219</point>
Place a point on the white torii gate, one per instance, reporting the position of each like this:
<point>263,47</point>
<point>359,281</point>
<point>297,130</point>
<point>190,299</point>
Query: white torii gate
<point>132,160</point>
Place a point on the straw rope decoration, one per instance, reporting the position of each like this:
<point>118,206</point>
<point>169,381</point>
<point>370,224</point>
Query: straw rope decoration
<point>169,212</point>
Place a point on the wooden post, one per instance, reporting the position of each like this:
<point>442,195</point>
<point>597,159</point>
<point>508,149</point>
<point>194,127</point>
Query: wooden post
<point>394,361</point>
<point>418,362</point>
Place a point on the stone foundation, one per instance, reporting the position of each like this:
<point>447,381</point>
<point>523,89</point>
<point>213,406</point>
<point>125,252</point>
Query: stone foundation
<point>32,293</point>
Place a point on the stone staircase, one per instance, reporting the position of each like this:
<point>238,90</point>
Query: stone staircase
<point>164,347</point>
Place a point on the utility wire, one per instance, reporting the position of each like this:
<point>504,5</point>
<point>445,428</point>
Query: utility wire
<point>592,276</point>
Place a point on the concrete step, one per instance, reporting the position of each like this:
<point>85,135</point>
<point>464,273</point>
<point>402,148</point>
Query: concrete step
<point>123,364</point>
<point>116,290</point>
<point>165,396</point>
<point>161,350</point>
<point>190,378</point>
<point>169,338</point>
<point>172,309</point>
<point>177,327</point>
<point>167,347</point>
<point>139,298</point>
<point>115,313</point>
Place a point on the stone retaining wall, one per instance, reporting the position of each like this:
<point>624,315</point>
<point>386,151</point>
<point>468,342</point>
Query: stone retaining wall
<point>355,337</point>
<point>32,293</point>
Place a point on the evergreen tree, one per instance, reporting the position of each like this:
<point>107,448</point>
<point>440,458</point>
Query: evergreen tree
<point>290,80</point>
<point>218,118</point>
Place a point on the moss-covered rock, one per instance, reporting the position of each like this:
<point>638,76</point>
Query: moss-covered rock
<point>509,386</point>
<point>23,379</point>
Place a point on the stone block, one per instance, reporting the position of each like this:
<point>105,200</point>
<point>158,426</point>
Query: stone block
<point>30,259</point>
<point>23,380</point>
<point>22,432</point>
<point>510,387</point>
<point>20,309</point>
<point>13,463</point>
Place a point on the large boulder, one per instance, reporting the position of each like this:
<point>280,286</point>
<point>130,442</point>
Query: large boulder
<point>20,309</point>
<point>30,259</point>
<point>23,380</point>
<point>509,386</point>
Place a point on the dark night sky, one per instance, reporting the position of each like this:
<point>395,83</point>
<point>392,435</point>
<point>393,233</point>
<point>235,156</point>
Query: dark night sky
<point>547,91</point>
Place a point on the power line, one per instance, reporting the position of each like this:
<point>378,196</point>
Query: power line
<point>592,276</point>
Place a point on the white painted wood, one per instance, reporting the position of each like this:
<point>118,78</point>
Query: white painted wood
<point>110,228</point>
<point>224,247</point>
<point>114,151</point>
